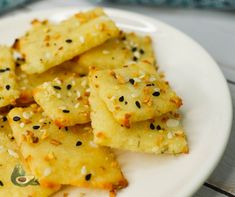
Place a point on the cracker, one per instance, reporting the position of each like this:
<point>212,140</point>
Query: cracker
<point>15,178</point>
<point>27,83</point>
<point>160,135</point>
<point>134,93</point>
<point>117,52</point>
<point>65,100</point>
<point>46,47</point>
<point>8,87</point>
<point>63,156</point>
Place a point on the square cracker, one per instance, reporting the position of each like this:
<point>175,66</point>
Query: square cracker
<point>160,135</point>
<point>27,83</point>
<point>63,156</point>
<point>117,52</point>
<point>8,87</point>
<point>134,93</point>
<point>15,178</point>
<point>51,45</point>
<point>65,100</point>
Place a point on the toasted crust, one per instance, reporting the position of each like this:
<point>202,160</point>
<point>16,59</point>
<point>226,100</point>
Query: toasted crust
<point>51,45</point>
<point>46,152</point>
<point>134,93</point>
<point>150,136</point>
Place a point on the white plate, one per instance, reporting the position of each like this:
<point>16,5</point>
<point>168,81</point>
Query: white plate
<point>207,107</point>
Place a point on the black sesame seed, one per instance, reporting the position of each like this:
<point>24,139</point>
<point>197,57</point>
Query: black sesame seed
<point>126,102</point>
<point>66,128</point>
<point>4,118</point>
<point>1,183</point>
<point>141,51</point>
<point>79,143</point>
<point>88,177</point>
<point>57,87</point>
<point>66,111</point>
<point>69,86</point>
<point>134,49</point>
<point>156,94</point>
<point>7,69</point>
<point>8,87</point>
<point>150,84</point>
<point>123,38</point>
<point>152,126</point>
<point>16,118</point>
<point>158,127</point>
<point>36,127</point>
<point>121,98</point>
<point>132,81</point>
<point>2,70</point>
<point>137,103</point>
<point>135,58</point>
<point>68,41</point>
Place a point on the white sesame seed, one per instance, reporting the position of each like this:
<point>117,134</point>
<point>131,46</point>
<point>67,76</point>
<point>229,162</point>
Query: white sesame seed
<point>134,95</point>
<point>42,120</point>
<point>77,105</point>
<point>112,98</point>
<point>12,153</point>
<point>58,81</point>
<point>83,170</point>
<point>62,107</point>
<point>58,96</point>
<point>155,149</point>
<point>78,94</point>
<point>137,79</point>
<point>84,83</point>
<point>26,115</point>
<point>21,125</point>
<point>69,93</point>
<point>169,135</point>
<point>88,90</point>
<point>151,79</point>
<point>156,90</point>
<point>82,40</point>
<point>47,171</point>
<point>105,52</point>
<point>92,144</point>
<point>1,149</point>
<point>73,82</point>
<point>23,88</point>
<point>47,55</point>
<point>136,54</point>
<point>172,123</point>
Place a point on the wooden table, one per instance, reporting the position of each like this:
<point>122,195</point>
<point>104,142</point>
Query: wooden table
<point>215,31</point>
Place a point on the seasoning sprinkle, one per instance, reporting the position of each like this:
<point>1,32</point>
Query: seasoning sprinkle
<point>132,81</point>
<point>8,87</point>
<point>137,103</point>
<point>156,94</point>
<point>79,143</point>
<point>69,86</point>
<point>68,41</point>
<point>158,127</point>
<point>1,183</point>
<point>152,126</point>
<point>150,84</point>
<point>133,49</point>
<point>57,87</point>
<point>141,51</point>
<point>16,118</point>
<point>135,58</point>
<point>66,111</point>
<point>4,118</point>
<point>121,98</point>
<point>36,127</point>
<point>88,177</point>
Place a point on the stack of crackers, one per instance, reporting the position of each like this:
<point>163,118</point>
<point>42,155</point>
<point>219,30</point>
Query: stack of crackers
<point>72,92</point>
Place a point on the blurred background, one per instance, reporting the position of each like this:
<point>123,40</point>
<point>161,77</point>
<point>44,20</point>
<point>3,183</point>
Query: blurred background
<point>210,22</point>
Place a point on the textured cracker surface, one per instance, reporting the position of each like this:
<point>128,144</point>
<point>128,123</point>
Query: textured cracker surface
<point>117,52</point>
<point>51,45</point>
<point>8,88</point>
<point>64,156</point>
<point>132,102</point>
<point>65,99</point>
<point>139,137</point>
<point>8,163</point>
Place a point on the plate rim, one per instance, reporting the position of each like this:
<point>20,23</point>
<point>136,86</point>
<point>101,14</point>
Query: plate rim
<point>196,184</point>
